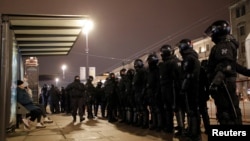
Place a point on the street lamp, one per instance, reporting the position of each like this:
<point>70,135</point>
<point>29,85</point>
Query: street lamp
<point>63,69</point>
<point>87,27</point>
<point>57,80</point>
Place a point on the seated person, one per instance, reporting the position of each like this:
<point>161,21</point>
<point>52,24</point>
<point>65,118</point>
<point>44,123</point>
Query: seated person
<point>46,119</point>
<point>24,99</point>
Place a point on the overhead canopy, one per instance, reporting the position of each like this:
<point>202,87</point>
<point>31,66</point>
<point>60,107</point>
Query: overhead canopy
<point>45,35</point>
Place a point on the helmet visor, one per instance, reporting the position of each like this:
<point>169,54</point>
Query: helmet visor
<point>210,30</point>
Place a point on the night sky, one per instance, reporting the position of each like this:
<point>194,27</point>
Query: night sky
<point>124,29</point>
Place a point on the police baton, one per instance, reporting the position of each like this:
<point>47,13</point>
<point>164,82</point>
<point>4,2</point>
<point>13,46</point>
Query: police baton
<point>230,99</point>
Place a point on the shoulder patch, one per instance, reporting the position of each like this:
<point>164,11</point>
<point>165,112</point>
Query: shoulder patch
<point>224,51</point>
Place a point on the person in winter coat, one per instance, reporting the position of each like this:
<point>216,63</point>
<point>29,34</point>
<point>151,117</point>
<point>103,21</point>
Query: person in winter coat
<point>76,91</point>
<point>24,99</point>
<point>54,99</point>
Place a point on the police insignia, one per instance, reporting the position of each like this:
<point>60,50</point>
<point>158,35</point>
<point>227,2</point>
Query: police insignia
<point>224,51</point>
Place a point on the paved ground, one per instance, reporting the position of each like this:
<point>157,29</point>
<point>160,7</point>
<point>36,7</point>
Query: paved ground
<point>89,130</point>
<point>98,130</point>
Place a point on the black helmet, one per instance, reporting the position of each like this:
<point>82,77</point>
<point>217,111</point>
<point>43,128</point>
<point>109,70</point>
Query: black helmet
<point>91,78</point>
<point>99,84</point>
<point>185,44</point>
<point>130,73</point>
<point>218,28</point>
<point>138,63</point>
<point>166,50</point>
<point>123,72</point>
<point>152,59</point>
<point>111,75</point>
<point>77,78</point>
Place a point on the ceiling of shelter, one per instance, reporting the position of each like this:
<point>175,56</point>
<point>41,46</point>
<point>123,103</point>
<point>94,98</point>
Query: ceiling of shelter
<point>45,35</point>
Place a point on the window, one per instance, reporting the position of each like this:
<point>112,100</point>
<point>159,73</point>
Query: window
<point>242,50</point>
<point>237,12</point>
<point>242,30</point>
<point>241,27</point>
<point>203,49</point>
<point>240,11</point>
<point>243,10</point>
<point>207,47</point>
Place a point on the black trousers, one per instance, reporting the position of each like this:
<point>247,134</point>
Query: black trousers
<point>36,114</point>
<point>77,106</point>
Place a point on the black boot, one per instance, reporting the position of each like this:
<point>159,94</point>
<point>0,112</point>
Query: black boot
<point>159,122</point>
<point>169,122</point>
<point>82,118</point>
<point>194,128</point>
<point>135,118</point>
<point>154,121</point>
<point>74,118</point>
<point>130,116</point>
<point>180,122</point>
<point>145,119</point>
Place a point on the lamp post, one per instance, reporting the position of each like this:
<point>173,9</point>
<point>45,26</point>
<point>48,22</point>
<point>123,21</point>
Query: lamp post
<point>87,27</point>
<point>63,69</point>
<point>57,80</point>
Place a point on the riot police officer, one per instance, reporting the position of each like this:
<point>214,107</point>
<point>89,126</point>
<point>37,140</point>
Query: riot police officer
<point>45,96</point>
<point>99,94</point>
<point>122,95</point>
<point>170,78</point>
<point>141,113</point>
<point>190,87</point>
<point>153,92</point>
<point>89,96</point>
<point>76,91</point>
<point>222,69</point>
<point>111,93</point>
<point>130,104</point>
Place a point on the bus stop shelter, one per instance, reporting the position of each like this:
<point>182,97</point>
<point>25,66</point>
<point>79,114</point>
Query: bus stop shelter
<point>30,36</point>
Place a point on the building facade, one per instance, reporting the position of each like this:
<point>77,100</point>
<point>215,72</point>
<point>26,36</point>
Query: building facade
<point>240,21</point>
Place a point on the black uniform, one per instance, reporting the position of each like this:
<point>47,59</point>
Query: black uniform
<point>76,91</point>
<point>54,98</point>
<point>99,93</point>
<point>170,81</point>
<point>141,113</point>
<point>104,101</point>
<point>63,100</point>
<point>222,61</point>
<point>190,87</point>
<point>122,95</point>
<point>89,97</point>
<point>68,107</point>
<point>222,69</point>
<point>130,104</point>
<point>45,96</point>
<point>153,92</point>
<point>112,97</point>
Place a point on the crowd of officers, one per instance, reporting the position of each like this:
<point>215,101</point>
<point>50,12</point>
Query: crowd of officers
<point>168,88</point>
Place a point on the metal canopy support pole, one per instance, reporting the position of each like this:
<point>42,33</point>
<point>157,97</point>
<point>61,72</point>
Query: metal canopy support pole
<point>87,57</point>
<point>4,77</point>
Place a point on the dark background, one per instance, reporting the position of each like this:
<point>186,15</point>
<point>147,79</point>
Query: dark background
<point>124,29</point>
